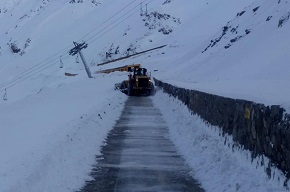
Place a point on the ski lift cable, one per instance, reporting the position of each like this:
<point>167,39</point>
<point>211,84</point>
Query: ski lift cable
<point>57,54</point>
<point>35,67</point>
<point>25,73</point>
<point>112,23</point>
<point>31,75</point>
<point>28,74</point>
<point>124,19</point>
<point>47,61</point>
<point>107,20</point>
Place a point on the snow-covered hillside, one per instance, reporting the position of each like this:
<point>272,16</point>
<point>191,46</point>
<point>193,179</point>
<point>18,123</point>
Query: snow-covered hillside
<point>238,49</point>
<point>245,58</point>
<point>232,48</point>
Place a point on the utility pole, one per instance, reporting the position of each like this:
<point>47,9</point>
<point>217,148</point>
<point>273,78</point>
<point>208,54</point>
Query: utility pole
<point>77,50</point>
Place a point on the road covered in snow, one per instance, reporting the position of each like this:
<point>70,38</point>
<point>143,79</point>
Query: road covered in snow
<point>139,156</point>
<point>52,126</point>
<point>50,140</point>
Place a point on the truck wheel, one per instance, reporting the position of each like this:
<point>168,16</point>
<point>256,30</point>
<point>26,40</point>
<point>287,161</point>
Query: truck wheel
<point>148,92</point>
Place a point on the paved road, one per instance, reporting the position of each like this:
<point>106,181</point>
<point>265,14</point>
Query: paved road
<point>138,156</point>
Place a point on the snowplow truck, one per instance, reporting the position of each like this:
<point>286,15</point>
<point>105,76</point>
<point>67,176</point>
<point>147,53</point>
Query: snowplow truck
<point>138,83</point>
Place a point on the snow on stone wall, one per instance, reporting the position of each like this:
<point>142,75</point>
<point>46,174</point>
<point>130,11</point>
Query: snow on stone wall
<point>264,130</point>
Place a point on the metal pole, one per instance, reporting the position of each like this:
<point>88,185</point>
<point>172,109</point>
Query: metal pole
<point>85,64</point>
<point>61,63</point>
<point>141,9</point>
<point>5,95</point>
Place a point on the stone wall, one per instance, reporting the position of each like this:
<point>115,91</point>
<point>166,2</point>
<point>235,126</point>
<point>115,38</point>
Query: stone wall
<point>264,130</point>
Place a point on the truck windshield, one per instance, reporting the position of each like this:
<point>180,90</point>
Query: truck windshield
<point>141,71</point>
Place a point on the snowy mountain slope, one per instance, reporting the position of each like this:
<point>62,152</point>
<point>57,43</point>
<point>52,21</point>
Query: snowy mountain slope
<point>47,35</point>
<point>246,58</point>
<point>237,49</point>
<point>225,48</point>
<point>223,43</point>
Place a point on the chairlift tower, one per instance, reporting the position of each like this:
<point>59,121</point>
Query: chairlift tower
<point>77,50</point>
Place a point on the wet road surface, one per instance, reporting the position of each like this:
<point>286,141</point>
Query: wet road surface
<point>139,157</point>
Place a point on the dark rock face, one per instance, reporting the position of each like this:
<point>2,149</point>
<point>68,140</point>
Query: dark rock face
<point>264,130</point>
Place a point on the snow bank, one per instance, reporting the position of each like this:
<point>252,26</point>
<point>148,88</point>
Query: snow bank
<point>217,165</point>
<point>48,141</point>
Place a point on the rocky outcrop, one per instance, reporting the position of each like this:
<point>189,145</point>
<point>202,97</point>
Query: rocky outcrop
<point>264,130</point>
